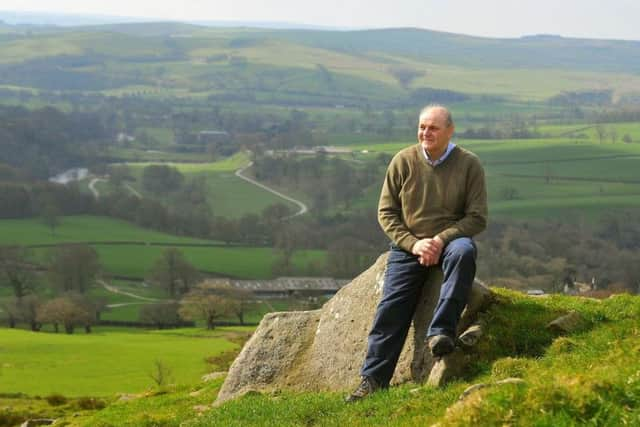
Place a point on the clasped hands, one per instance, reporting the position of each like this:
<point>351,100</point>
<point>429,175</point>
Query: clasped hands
<point>428,250</point>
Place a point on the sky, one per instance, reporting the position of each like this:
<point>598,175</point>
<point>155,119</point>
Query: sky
<point>610,19</point>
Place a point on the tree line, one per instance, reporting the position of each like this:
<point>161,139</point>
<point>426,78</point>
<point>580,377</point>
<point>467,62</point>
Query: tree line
<point>59,293</point>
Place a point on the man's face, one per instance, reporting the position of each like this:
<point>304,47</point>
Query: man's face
<point>433,133</point>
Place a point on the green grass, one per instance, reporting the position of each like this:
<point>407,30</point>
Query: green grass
<point>599,178</point>
<point>137,260</point>
<point>244,262</point>
<point>230,196</point>
<point>81,228</point>
<point>227,195</point>
<point>102,363</point>
<point>229,164</point>
<point>360,66</point>
<point>590,377</point>
<point>241,262</point>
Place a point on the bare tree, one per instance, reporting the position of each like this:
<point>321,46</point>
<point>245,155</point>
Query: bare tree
<point>173,273</point>
<point>613,134</point>
<point>73,268</point>
<point>12,312</point>
<point>601,131</point>
<point>241,300</point>
<point>161,315</point>
<point>49,216</point>
<point>15,270</point>
<point>63,311</point>
<point>28,308</point>
<point>203,303</point>
<point>161,373</point>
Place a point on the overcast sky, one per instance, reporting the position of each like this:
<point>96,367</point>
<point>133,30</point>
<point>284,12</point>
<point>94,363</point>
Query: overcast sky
<point>618,19</point>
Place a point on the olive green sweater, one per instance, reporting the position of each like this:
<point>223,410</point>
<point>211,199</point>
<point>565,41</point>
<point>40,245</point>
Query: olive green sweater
<point>419,200</point>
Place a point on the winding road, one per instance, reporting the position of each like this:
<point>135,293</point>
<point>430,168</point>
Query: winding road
<point>92,186</point>
<point>96,193</point>
<point>303,208</point>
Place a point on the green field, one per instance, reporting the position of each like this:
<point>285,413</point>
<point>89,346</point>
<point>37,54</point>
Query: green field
<point>328,67</point>
<point>136,260</point>
<point>588,377</point>
<point>228,195</point>
<point>242,262</point>
<point>105,362</point>
<point>82,228</point>
<point>546,177</point>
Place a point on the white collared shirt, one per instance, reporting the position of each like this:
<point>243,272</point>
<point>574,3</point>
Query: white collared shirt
<point>442,158</point>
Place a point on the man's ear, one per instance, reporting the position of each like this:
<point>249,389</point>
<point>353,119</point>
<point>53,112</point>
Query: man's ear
<point>452,130</point>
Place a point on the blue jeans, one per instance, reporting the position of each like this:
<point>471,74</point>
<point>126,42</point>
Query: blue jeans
<point>403,282</point>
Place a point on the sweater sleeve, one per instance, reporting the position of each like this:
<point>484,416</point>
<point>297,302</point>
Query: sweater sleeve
<point>390,208</point>
<point>476,212</point>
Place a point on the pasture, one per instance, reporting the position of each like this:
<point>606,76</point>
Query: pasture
<point>547,177</point>
<point>241,262</point>
<point>128,308</point>
<point>82,228</point>
<point>136,258</point>
<point>227,195</point>
<point>108,360</point>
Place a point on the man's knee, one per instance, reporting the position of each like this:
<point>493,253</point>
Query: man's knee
<point>462,248</point>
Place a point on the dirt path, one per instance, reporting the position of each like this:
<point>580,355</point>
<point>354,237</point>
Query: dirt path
<point>115,290</point>
<point>96,193</point>
<point>92,186</point>
<point>303,208</point>
<point>133,190</point>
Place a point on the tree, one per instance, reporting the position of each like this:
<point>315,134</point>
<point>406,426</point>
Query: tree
<point>93,306</point>
<point>28,308</point>
<point>601,131</point>
<point>118,174</point>
<point>161,373</point>
<point>161,179</point>
<point>509,193</point>
<point>405,76</point>
<point>12,312</point>
<point>49,216</point>
<point>161,315</point>
<point>15,270</point>
<point>73,268</point>
<point>348,257</point>
<point>241,299</point>
<point>63,311</point>
<point>173,273</point>
<point>613,134</point>
<point>205,302</point>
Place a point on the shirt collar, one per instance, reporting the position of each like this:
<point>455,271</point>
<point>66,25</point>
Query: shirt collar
<point>442,158</point>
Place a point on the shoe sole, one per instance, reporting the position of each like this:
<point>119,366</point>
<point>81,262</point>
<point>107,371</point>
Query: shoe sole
<point>442,348</point>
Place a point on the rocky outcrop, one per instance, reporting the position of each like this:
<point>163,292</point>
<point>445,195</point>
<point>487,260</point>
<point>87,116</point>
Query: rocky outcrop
<point>568,323</point>
<point>324,349</point>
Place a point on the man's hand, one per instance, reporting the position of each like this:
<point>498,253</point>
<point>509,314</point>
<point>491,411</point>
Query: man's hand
<point>428,250</point>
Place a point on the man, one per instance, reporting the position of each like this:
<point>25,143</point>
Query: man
<point>433,201</point>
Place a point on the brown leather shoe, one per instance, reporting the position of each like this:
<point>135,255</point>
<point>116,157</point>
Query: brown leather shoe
<point>441,345</point>
<point>367,386</point>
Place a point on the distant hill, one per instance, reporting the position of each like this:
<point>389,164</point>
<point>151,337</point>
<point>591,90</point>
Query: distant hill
<point>309,67</point>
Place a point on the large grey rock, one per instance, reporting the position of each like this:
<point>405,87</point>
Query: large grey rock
<point>447,368</point>
<point>324,349</point>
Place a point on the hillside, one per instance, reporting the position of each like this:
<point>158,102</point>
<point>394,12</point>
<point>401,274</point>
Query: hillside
<point>320,68</point>
<point>588,377</point>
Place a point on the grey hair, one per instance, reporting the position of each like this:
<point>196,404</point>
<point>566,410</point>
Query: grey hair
<point>448,117</point>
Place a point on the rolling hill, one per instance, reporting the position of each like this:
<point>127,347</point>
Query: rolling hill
<point>322,68</point>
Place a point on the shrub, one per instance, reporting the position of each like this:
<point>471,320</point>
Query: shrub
<point>56,399</point>
<point>88,403</point>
